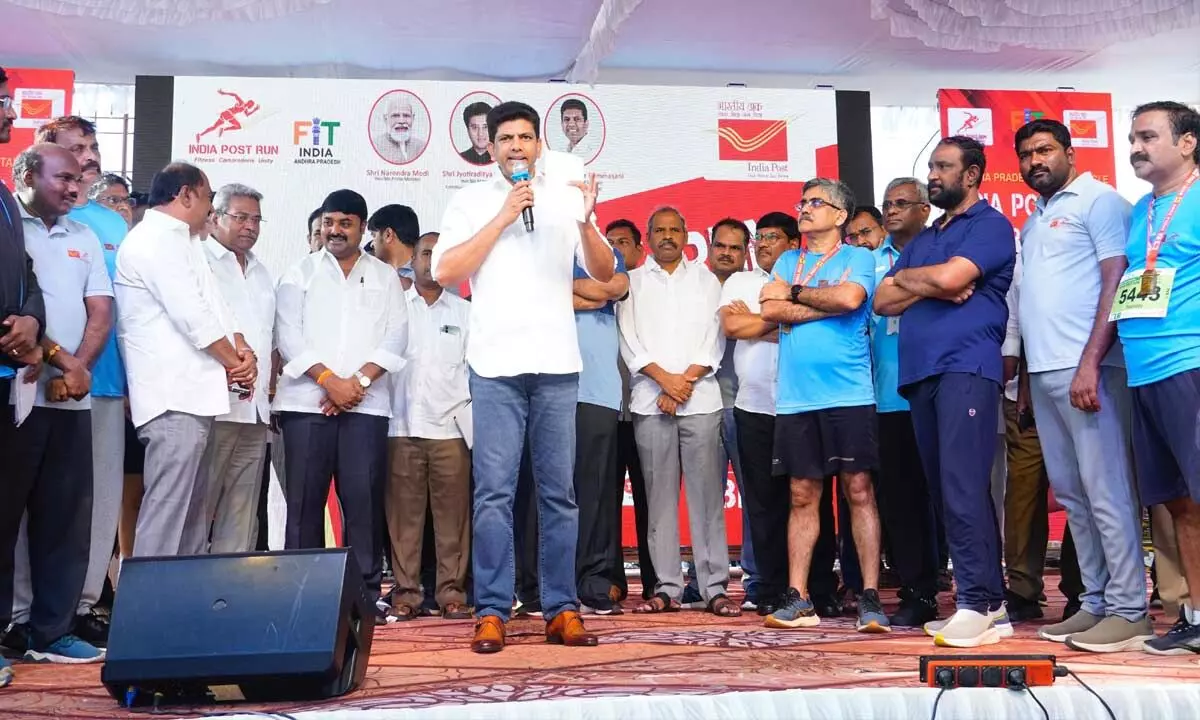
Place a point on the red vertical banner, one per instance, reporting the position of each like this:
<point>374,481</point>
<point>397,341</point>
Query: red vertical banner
<point>993,117</point>
<point>39,96</point>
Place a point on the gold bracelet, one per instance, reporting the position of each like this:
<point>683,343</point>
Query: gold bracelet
<point>52,351</point>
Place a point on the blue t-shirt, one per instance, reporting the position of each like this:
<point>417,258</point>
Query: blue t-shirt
<point>600,380</point>
<point>108,374</point>
<point>1158,348</point>
<point>885,346</point>
<point>939,336</point>
<point>827,363</point>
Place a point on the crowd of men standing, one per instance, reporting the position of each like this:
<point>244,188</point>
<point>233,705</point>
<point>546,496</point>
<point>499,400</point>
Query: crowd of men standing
<point>868,352</point>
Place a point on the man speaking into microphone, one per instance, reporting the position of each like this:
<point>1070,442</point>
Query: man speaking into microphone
<point>524,358</point>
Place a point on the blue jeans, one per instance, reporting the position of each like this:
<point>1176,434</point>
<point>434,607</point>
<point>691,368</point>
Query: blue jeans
<point>506,406</point>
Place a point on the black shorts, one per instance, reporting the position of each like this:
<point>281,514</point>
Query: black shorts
<point>1166,438</point>
<point>815,445</point>
<point>135,451</point>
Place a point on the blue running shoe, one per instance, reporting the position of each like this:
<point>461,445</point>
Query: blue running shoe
<point>871,618</point>
<point>68,650</point>
<point>796,612</point>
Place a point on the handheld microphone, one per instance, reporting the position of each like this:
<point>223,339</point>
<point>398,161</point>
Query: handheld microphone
<point>520,172</point>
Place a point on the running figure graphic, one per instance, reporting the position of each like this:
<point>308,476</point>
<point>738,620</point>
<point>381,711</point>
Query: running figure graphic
<point>228,119</point>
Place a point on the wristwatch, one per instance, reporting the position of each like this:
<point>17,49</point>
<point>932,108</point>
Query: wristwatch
<point>796,293</point>
<point>363,380</point>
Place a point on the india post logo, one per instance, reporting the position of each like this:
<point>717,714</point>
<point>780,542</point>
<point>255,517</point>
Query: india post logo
<point>315,132</point>
<point>752,140</point>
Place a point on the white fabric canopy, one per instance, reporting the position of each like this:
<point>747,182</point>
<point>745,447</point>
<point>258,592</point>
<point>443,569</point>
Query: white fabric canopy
<point>854,44</point>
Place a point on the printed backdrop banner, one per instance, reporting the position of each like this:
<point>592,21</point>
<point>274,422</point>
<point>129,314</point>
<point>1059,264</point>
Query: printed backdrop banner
<point>993,117</point>
<point>38,96</point>
<point>711,152</point>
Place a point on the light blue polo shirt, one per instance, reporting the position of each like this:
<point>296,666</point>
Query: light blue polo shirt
<point>827,363</point>
<point>885,346</point>
<point>600,380</point>
<point>1062,245</point>
<point>108,374</point>
<point>1158,348</point>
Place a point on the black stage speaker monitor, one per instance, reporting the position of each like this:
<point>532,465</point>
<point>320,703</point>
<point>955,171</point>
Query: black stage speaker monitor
<point>290,625</point>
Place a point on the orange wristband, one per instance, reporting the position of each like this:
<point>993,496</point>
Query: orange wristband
<point>323,377</point>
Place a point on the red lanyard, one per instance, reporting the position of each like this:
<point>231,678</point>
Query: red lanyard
<point>1155,241</point>
<point>796,280</point>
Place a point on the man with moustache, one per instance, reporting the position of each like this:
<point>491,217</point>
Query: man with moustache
<point>112,191</point>
<point>672,343</point>
<point>524,360</point>
<point>626,239</point>
<point>237,447</point>
<point>1072,257</point>
<point>755,361</point>
<point>174,328</point>
<point>50,477</point>
<point>394,231</point>
<point>78,136</point>
<point>825,405</point>
<point>398,143</point>
<point>1157,309</point>
<point>728,243</point>
<point>866,228</point>
<point>475,118</point>
<point>341,324</point>
<point>904,499</point>
<point>574,116</point>
<point>949,287</point>
<point>24,319</point>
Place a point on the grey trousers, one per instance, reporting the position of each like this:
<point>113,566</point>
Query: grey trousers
<point>1088,462</point>
<point>108,486</point>
<point>234,460</point>
<point>668,445</point>
<point>173,518</point>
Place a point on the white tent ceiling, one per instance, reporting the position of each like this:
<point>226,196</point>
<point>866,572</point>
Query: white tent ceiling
<point>878,45</point>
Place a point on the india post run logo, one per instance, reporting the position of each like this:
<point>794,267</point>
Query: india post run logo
<point>314,140</point>
<point>739,139</point>
<point>219,139</point>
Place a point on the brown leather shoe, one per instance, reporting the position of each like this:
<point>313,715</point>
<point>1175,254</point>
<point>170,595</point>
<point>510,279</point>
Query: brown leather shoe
<point>567,629</point>
<point>489,635</point>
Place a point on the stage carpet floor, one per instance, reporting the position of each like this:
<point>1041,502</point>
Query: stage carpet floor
<point>426,663</point>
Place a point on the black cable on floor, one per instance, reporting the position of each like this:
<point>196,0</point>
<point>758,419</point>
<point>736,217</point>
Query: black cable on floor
<point>1039,702</point>
<point>1087,687</point>
<point>935,703</point>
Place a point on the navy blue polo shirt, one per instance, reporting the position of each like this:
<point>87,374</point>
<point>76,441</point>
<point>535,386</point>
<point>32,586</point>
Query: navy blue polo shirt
<point>939,336</point>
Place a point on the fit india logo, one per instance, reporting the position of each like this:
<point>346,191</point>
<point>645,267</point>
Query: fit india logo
<point>1020,118</point>
<point>975,123</point>
<point>314,140</point>
<point>742,139</point>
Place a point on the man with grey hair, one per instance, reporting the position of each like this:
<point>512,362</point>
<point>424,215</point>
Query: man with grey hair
<point>237,446</point>
<point>671,341</point>
<point>825,401</point>
<point>905,507</point>
<point>113,192</point>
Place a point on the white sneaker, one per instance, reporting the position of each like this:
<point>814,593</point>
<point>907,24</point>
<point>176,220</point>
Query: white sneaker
<point>968,629</point>
<point>999,618</point>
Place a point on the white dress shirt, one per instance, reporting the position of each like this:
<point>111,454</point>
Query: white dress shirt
<point>168,310</point>
<point>342,321</point>
<point>670,319</point>
<point>1011,347</point>
<point>756,361</point>
<point>434,382</point>
<point>522,318</point>
<point>250,296</point>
